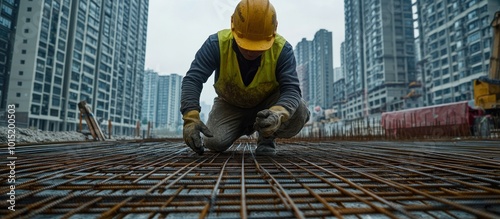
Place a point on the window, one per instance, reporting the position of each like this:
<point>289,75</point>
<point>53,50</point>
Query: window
<point>474,37</point>
<point>476,69</point>
<point>37,87</point>
<point>444,52</point>
<point>436,74</point>
<point>445,71</point>
<point>472,15</point>
<point>437,82</point>
<point>474,47</point>
<point>486,43</point>
<point>444,61</point>
<point>19,83</point>
<point>18,94</point>
<point>446,80</point>
<point>21,72</point>
<point>56,90</point>
<point>5,22</point>
<point>476,59</point>
<point>29,9</point>
<point>60,56</point>
<point>54,112</point>
<point>473,25</point>
<point>22,62</point>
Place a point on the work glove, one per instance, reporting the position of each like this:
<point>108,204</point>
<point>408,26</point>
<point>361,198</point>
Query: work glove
<point>269,120</point>
<point>191,131</point>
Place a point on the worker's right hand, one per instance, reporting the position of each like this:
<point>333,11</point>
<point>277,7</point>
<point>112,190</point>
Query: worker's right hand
<point>269,120</point>
<point>192,128</point>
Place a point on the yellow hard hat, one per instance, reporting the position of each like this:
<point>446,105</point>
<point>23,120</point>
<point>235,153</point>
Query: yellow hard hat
<point>254,24</point>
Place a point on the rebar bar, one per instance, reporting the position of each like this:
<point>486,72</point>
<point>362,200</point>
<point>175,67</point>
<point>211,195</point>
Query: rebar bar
<point>377,179</point>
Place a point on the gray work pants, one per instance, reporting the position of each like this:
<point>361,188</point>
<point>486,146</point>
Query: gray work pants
<point>227,122</point>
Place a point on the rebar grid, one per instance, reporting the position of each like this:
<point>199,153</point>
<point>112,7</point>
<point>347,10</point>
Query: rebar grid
<point>305,180</point>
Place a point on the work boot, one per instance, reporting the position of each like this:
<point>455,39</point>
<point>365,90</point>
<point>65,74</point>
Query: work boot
<point>266,146</point>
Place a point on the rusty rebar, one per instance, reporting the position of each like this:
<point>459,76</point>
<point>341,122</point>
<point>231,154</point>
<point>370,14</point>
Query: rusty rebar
<point>386,179</point>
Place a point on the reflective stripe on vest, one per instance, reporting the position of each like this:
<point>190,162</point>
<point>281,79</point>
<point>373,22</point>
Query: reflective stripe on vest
<point>230,86</point>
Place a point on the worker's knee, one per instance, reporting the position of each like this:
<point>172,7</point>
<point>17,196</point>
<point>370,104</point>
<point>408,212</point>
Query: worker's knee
<point>218,144</point>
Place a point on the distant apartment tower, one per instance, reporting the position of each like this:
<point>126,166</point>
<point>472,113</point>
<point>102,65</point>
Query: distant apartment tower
<point>337,73</point>
<point>169,99</point>
<point>379,56</point>
<point>161,101</point>
<point>149,97</point>
<point>72,51</point>
<point>456,39</point>
<point>304,58</point>
<point>315,69</point>
<point>323,67</point>
<point>343,60</point>
<point>8,14</point>
<point>338,91</point>
<point>354,65</point>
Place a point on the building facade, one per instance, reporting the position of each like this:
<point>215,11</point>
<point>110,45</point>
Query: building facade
<point>304,58</point>
<point>379,56</point>
<point>354,65</point>
<point>73,51</point>
<point>323,68</point>
<point>8,14</point>
<point>149,97</point>
<point>161,103</point>
<point>455,43</point>
<point>315,69</point>
<point>169,102</point>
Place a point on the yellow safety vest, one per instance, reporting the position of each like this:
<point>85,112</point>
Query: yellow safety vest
<point>229,84</point>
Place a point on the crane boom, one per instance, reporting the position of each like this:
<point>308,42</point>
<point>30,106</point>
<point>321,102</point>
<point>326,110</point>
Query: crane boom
<point>487,89</point>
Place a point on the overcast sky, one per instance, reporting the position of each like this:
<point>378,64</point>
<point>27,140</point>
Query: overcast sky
<point>178,28</point>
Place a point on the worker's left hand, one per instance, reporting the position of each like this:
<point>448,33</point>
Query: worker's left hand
<point>269,120</point>
<point>192,128</point>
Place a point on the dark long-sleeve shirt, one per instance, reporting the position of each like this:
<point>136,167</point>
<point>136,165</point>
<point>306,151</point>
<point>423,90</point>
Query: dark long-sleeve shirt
<point>207,60</point>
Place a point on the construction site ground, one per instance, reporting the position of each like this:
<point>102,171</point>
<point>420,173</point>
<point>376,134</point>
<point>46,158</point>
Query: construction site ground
<point>307,179</point>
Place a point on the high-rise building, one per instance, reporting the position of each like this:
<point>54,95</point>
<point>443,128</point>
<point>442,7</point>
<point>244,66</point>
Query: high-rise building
<point>72,51</point>
<point>339,87</point>
<point>353,56</point>
<point>161,102</point>
<point>379,56</point>
<point>456,39</point>
<point>169,102</point>
<point>304,58</point>
<point>149,97</point>
<point>323,68</point>
<point>337,73</point>
<point>315,69</point>
<point>7,33</point>
<point>343,60</point>
<point>339,99</point>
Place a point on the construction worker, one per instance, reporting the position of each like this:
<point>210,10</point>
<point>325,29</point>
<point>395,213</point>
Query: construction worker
<point>255,80</point>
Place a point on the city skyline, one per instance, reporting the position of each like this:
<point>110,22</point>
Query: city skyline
<point>66,52</point>
<point>85,52</point>
<point>296,20</point>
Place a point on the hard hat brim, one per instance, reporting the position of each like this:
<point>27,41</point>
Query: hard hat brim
<point>253,45</point>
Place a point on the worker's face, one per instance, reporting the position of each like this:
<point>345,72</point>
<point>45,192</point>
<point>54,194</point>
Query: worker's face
<point>250,55</point>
